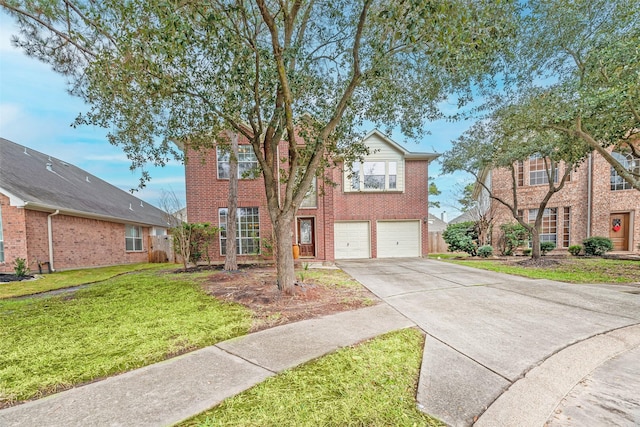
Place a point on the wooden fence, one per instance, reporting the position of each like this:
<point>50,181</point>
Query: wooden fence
<point>161,249</point>
<point>437,245</point>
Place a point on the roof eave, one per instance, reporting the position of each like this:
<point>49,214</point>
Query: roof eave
<point>71,212</point>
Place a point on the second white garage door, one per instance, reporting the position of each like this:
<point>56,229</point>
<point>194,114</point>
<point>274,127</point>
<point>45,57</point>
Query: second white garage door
<point>351,239</point>
<point>398,239</point>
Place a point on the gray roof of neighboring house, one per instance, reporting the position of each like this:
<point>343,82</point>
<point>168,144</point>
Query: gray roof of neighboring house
<point>436,224</point>
<point>37,181</point>
<point>466,216</point>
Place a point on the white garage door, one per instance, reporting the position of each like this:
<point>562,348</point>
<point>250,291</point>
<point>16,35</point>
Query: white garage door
<point>398,239</point>
<point>351,239</point>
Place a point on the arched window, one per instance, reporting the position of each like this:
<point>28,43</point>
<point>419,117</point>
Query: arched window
<point>629,162</point>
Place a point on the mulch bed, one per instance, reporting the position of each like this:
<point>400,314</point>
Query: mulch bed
<point>5,278</point>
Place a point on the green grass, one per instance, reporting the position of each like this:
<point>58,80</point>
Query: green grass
<point>48,344</point>
<point>66,279</point>
<point>571,270</point>
<point>373,384</point>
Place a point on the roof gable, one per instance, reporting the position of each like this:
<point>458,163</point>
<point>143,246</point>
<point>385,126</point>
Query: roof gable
<point>409,155</point>
<point>34,180</point>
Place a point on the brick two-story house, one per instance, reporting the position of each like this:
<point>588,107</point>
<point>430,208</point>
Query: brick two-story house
<point>378,208</point>
<point>54,213</point>
<point>595,201</point>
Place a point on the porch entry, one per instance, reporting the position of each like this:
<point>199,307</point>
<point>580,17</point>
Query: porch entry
<point>307,237</point>
<point>619,231</point>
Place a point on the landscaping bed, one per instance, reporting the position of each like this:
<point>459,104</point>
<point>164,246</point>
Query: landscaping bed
<point>6,278</point>
<point>318,292</point>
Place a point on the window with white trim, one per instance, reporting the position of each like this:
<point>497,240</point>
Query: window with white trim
<point>380,175</point>
<point>549,229</point>
<point>311,198</point>
<point>247,231</point>
<point>133,238</point>
<point>1,239</point>
<point>629,162</point>
<point>247,162</point>
<point>538,172</point>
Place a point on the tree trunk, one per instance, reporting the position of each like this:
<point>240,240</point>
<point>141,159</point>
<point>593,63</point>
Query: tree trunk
<point>230,259</point>
<point>284,255</point>
<point>535,243</point>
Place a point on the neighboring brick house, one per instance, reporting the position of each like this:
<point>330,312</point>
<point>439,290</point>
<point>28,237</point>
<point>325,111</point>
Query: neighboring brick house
<point>53,212</point>
<point>377,209</point>
<point>594,202</point>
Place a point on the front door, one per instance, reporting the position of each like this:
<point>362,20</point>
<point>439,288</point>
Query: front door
<point>306,237</point>
<point>619,231</point>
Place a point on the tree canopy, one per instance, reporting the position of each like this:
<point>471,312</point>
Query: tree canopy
<point>162,72</point>
<point>505,138</point>
<point>576,71</point>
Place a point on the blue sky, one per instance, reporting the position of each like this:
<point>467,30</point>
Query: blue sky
<point>37,111</point>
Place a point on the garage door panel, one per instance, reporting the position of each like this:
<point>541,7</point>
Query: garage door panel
<point>351,240</point>
<point>398,239</point>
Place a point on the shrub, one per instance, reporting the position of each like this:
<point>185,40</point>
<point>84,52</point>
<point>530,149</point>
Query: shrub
<point>546,247</point>
<point>527,251</point>
<point>575,250</point>
<point>513,236</point>
<point>462,237</point>
<point>20,267</point>
<point>597,245</point>
<point>485,251</point>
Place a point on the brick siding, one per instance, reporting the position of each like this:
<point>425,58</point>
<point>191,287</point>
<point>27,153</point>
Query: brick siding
<point>78,242</point>
<point>574,195</point>
<point>206,194</point>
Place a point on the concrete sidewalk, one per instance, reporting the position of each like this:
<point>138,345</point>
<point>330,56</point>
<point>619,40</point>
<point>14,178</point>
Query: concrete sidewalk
<point>504,350</point>
<point>171,391</point>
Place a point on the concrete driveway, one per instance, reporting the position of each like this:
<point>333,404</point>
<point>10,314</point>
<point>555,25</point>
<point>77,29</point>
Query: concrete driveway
<point>503,350</point>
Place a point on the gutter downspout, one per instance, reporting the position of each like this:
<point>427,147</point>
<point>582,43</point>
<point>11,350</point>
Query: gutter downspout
<point>589,191</point>
<point>50,230</point>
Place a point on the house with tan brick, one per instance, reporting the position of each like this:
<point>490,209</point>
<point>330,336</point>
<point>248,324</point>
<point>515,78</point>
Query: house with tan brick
<point>595,201</point>
<point>56,215</point>
<point>376,208</point>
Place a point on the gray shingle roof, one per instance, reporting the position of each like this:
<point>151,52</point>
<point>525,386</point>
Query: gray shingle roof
<point>41,182</point>
<point>436,224</point>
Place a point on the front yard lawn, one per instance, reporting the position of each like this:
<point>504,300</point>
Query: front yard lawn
<point>52,343</point>
<point>572,270</point>
<point>373,384</point>
<point>69,278</point>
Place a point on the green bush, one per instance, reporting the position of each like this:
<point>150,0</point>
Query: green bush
<point>462,237</point>
<point>485,251</point>
<point>513,236</point>
<point>597,245</point>
<point>546,247</point>
<point>527,251</point>
<point>20,267</point>
<point>575,250</point>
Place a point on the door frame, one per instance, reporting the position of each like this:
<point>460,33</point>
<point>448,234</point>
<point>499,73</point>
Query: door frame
<point>629,225</point>
<point>314,235</point>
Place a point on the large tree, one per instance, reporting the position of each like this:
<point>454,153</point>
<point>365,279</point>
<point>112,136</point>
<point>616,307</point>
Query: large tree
<point>582,58</point>
<point>501,141</point>
<point>308,72</point>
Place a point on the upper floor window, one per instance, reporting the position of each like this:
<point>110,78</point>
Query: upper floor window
<point>247,162</point>
<point>538,172</point>
<point>381,175</point>
<point>520,172</point>
<point>629,162</point>
<point>133,238</point>
<point>311,198</point>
